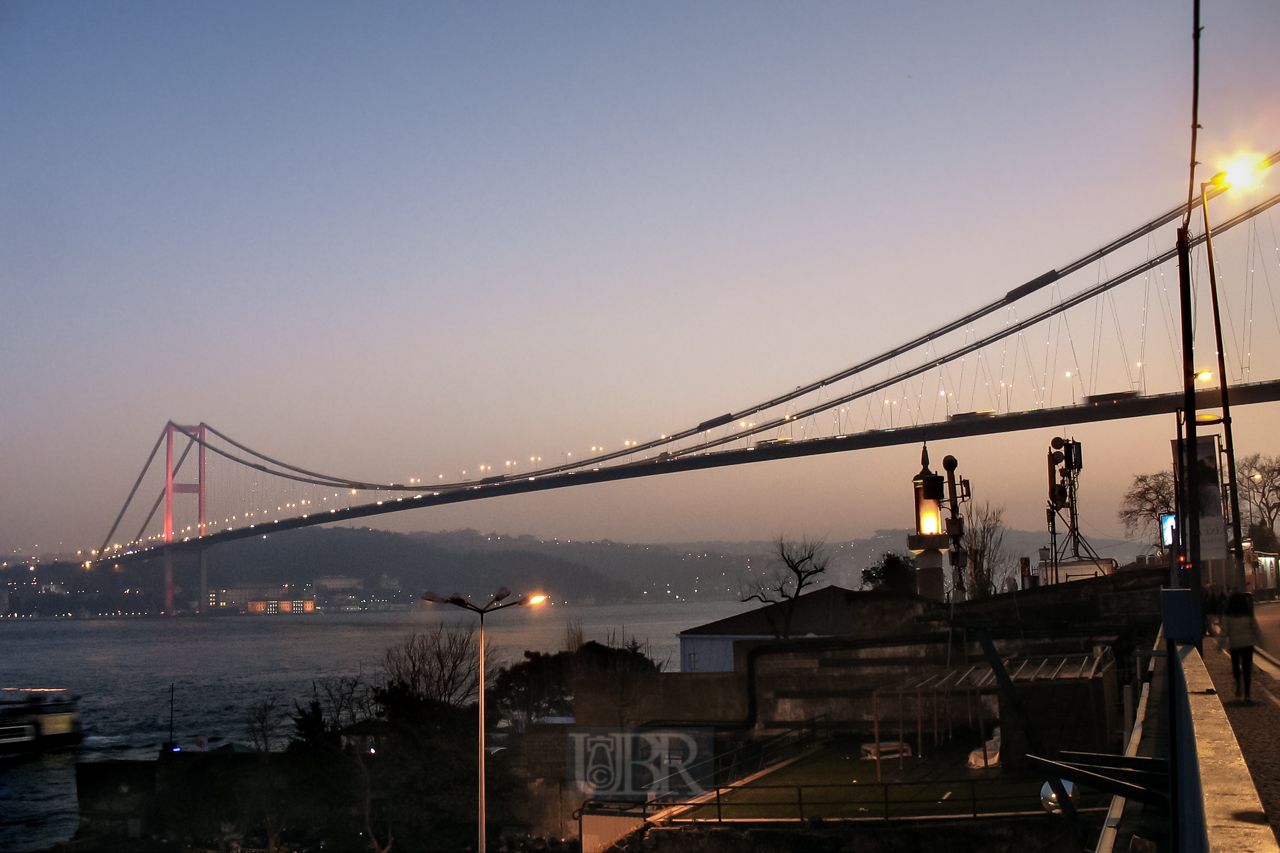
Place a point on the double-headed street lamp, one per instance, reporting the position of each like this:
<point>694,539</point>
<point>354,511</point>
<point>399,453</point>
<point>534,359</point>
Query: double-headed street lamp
<point>1188,487</point>
<point>498,602</point>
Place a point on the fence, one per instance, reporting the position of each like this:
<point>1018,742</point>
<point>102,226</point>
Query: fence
<point>602,823</point>
<point>754,756</point>
<point>879,801</point>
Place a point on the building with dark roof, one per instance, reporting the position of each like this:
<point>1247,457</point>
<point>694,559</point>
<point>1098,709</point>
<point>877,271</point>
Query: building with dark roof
<point>831,611</point>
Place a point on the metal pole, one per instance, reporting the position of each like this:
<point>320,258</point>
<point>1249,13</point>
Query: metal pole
<point>483,848</point>
<point>1191,460</point>
<point>1175,770</point>
<point>875,716</point>
<point>1237,546</point>
<point>901,733</point>
<point>1178,555</point>
<point>919,726</point>
<point>982,733</point>
<point>935,719</point>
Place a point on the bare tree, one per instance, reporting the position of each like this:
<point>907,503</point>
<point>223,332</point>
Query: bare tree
<point>263,720</point>
<point>1258,479</point>
<point>345,700</point>
<point>441,664</point>
<point>574,636</point>
<point>983,542</point>
<point>797,566</point>
<point>1149,496</point>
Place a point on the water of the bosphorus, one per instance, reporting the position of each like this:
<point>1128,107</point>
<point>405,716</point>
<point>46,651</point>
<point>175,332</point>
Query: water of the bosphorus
<point>122,669</point>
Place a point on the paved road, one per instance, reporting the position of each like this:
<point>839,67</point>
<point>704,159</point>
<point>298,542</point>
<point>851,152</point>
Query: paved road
<point>1268,613</point>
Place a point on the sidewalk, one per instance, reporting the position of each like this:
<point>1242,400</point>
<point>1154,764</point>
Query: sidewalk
<point>1256,724</point>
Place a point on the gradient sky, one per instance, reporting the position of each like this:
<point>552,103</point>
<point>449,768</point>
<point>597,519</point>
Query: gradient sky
<point>390,240</point>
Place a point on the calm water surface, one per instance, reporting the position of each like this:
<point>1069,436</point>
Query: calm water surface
<point>122,669</point>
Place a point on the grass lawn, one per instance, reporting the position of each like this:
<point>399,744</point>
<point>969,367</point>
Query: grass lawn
<point>834,782</point>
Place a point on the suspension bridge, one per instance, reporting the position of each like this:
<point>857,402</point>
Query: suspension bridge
<point>1078,344</point>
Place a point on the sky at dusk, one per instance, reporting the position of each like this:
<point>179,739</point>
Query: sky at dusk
<point>389,240</point>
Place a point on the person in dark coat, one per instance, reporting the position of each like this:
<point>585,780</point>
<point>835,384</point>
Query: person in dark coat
<point>1240,633</point>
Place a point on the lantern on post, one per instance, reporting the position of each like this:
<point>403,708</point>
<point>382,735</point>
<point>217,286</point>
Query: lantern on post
<point>928,489</point>
<point>930,540</point>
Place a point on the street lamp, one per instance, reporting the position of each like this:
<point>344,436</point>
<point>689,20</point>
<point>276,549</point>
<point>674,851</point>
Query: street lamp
<point>498,602</point>
<point>1221,183</point>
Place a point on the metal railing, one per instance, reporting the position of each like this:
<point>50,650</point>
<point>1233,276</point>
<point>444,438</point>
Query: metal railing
<point>877,801</point>
<point>754,756</point>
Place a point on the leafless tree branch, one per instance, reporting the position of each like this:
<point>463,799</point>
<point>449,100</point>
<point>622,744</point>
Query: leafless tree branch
<point>983,541</point>
<point>797,567</point>
<point>441,664</point>
<point>1149,496</point>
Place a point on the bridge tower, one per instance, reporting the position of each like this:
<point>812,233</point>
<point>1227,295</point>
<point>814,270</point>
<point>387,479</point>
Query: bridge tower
<point>171,488</point>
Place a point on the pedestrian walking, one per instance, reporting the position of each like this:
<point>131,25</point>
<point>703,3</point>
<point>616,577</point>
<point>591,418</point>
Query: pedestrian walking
<point>1215,601</point>
<point>1240,633</point>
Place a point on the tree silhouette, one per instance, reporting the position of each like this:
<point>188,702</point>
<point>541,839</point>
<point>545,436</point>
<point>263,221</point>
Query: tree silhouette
<point>1149,497</point>
<point>895,573</point>
<point>983,541</point>
<point>797,566</point>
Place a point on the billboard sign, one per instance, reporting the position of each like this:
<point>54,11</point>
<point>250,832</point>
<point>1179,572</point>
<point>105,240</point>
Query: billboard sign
<point>1169,530</point>
<point>1213,522</point>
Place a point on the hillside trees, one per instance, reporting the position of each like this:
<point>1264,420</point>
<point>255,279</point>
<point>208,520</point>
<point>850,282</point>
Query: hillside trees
<point>541,685</point>
<point>894,573</point>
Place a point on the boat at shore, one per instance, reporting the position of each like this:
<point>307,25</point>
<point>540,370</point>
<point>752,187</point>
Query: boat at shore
<point>37,719</point>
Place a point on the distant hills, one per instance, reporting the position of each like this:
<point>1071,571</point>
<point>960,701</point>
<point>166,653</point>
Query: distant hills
<point>583,572</point>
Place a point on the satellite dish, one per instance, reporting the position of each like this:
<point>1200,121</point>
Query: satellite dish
<point>202,742</point>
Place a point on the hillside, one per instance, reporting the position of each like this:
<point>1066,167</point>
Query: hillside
<point>601,571</point>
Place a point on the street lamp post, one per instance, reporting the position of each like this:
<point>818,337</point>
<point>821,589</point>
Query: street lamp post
<point>1220,182</point>
<point>498,602</point>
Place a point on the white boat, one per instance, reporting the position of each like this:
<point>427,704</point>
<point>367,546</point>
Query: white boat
<point>37,719</point>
